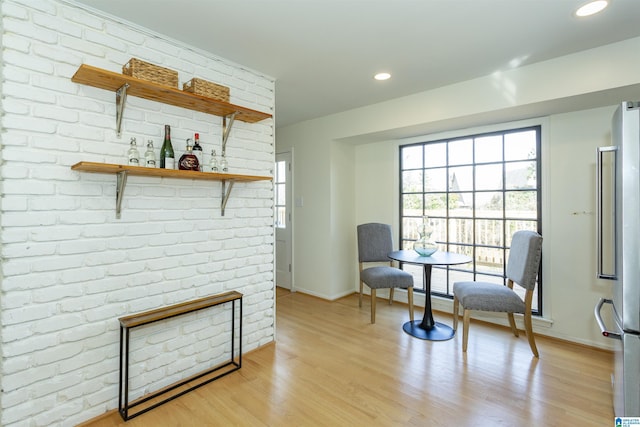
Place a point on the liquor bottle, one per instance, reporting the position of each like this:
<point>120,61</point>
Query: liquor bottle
<point>224,166</point>
<point>213,164</point>
<point>197,151</point>
<point>150,155</point>
<point>167,158</point>
<point>133,154</point>
<point>188,161</point>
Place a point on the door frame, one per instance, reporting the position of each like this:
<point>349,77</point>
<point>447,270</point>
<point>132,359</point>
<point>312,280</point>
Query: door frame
<point>290,218</point>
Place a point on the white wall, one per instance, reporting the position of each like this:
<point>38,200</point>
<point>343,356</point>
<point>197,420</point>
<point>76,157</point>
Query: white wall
<point>312,269</point>
<point>574,96</point>
<point>342,218</point>
<point>572,289</point>
<point>69,267</point>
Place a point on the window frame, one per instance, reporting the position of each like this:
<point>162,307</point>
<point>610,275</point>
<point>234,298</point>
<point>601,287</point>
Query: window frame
<point>506,235</point>
<point>279,194</point>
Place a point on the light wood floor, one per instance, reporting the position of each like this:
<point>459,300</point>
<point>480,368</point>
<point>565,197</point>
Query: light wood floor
<point>331,367</point>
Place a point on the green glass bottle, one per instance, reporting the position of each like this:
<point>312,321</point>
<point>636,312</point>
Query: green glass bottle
<point>167,158</point>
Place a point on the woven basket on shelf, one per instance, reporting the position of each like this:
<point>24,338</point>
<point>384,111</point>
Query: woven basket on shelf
<point>153,73</point>
<point>208,89</point>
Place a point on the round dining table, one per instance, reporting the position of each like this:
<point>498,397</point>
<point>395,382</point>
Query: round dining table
<point>427,328</point>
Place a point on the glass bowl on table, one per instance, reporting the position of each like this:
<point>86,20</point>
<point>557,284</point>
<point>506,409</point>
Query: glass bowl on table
<point>425,245</point>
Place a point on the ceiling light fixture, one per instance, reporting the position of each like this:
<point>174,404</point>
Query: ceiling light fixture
<point>592,8</point>
<point>382,76</point>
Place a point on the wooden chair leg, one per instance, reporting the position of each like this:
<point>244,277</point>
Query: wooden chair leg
<point>410,298</point>
<point>529,329</point>
<point>361,284</point>
<point>456,305</point>
<point>465,329</point>
<point>391,295</point>
<point>512,323</point>
<point>373,305</point>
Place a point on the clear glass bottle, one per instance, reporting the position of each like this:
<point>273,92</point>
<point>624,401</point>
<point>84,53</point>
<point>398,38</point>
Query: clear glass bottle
<point>150,155</point>
<point>224,166</point>
<point>188,161</point>
<point>213,163</point>
<point>133,154</point>
<point>167,158</point>
<point>197,151</point>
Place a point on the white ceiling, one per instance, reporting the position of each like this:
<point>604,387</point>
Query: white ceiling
<point>323,53</point>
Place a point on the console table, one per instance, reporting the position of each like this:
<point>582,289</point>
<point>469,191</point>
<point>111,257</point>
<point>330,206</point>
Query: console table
<point>128,323</point>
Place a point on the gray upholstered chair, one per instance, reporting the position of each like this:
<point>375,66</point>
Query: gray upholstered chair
<point>522,269</point>
<point>374,243</point>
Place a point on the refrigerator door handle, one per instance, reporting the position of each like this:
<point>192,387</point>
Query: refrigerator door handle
<point>607,333</point>
<point>601,216</point>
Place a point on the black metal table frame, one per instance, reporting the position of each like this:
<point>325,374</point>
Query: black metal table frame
<point>124,406</point>
<point>427,328</point>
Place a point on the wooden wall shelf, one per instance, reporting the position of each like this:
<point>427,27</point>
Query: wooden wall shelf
<point>103,79</point>
<point>122,171</point>
<point>167,173</point>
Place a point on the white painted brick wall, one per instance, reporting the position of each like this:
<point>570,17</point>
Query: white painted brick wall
<point>69,267</point>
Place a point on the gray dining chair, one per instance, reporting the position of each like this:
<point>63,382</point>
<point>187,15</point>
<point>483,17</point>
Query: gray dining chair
<point>522,269</point>
<point>375,241</point>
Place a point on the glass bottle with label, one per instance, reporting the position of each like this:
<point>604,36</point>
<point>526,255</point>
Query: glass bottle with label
<point>133,154</point>
<point>197,151</point>
<point>150,155</point>
<point>167,158</point>
<point>188,161</point>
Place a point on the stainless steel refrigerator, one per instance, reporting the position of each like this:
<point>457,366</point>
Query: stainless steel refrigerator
<point>618,231</point>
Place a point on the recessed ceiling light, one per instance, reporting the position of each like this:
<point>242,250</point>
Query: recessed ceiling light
<point>382,76</point>
<point>592,8</point>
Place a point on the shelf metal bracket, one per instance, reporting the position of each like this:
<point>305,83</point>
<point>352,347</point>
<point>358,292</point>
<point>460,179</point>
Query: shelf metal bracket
<point>226,130</point>
<point>121,100</point>
<point>121,184</point>
<point>225,194</point>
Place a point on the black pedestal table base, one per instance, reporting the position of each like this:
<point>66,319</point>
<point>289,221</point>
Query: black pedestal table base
<point>438,332</point>
<point>427,328</point>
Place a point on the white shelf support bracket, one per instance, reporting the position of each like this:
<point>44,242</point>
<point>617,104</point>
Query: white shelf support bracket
<point>225,194</point>
<point>120,185</point>
<point>121,100</point>
<point>226,130</point>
